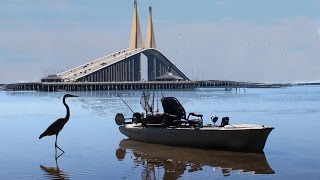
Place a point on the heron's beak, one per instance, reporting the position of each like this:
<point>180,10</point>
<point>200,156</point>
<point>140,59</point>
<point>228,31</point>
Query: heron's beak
<point>70,95</point>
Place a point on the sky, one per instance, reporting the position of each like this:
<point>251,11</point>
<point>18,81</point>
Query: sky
<point>248,40</point>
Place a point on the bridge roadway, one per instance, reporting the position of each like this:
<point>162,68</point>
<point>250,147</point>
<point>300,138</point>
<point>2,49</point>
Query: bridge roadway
<point>93,66</point>
<point>137,85</point>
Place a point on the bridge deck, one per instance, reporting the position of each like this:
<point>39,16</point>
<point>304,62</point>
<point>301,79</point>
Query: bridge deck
<point>90,67</point>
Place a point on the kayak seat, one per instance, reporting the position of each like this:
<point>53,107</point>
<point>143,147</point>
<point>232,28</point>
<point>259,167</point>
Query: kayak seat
<point>175,114</point>
<point>173,107</point>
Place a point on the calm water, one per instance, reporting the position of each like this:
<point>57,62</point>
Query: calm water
<point>95,149</point>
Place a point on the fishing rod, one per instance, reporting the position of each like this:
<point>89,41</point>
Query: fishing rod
<point>146,103</point>
<point>125,103</point>
<point>157,102</point>
<point>153,103</point>
<point>200,90</point>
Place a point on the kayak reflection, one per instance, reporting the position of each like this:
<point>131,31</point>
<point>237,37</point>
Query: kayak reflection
<point>177,160</point>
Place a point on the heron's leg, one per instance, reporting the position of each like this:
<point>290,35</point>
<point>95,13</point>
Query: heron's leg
<point>57,145</point>
<point>55,155</point>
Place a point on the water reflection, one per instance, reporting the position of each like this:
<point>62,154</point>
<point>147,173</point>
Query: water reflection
<point>108,102</point>
<point>54,172</point>
<point>179,160</point>
<point>125,94</point>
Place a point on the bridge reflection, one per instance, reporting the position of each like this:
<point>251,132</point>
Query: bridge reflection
<point>108,103</point>
<point>176,161</point>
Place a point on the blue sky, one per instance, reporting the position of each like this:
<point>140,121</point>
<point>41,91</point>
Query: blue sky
<point>248,40</point>
<point>44,12</point>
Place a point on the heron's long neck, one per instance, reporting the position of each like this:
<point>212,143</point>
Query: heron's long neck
<point>68,110</point>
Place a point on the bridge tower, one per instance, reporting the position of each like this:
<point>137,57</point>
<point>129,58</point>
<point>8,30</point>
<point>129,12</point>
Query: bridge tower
<point>156,67</point>
<point>135,43</point>
<point>150,39</point>
<point>135,35</point>
<point>153,71</point>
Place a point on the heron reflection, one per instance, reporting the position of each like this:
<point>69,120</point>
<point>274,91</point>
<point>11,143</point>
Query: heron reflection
<point>176,161</point>
<point>54,172</point>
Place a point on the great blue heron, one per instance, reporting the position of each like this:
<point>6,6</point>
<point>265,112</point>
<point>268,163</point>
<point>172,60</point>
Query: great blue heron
<point>56,127</point>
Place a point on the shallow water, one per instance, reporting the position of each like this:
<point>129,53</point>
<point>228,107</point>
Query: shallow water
<point>95,149</point>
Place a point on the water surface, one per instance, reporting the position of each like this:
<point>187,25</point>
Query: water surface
<point>95,149</point>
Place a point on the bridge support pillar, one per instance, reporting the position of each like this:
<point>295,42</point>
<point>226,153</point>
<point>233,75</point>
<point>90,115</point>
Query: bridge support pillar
<point>158,68</point>
<point>153,68</point>
<point>135,68</point>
